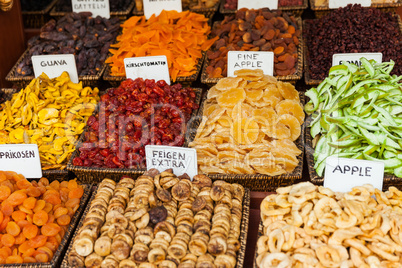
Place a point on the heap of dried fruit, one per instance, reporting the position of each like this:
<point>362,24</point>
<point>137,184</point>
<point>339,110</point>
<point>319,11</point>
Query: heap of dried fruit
<point>350,30</point>
<point>249,125</point>
<point>115,5</point>
<point>80,34</point>
<point>311,226</point>
<point>51,113</point>
<point>181,37</point>
<point>161,220</point>
<point>255,30</point>
<point>34,216</point>
<point>232,4</point>
<point>324,3</point>
<point>131,116</point>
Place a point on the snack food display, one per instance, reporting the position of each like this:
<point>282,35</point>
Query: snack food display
<point>358,116</point>
<point>304,224</point>
<point>34,216</point>
<point>80,34</point>
<point>161,220</point>
<point>353,29</point>
<point>181,37</point>
<point>255,30</point>
<point>51,113</point>
<point>249,125</point>
<point>136,114</point>
<point>324,3</point>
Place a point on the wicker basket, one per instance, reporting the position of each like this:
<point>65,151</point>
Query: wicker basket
<point>308,80</point>
<point>320,11</point>
<point>256,182</point>
<point>184,80</point>
<point>122,15</point>
<point>243,231</point>
<point>96,174</point>
<point>8,93</point>
<point>58,255</point>
<point>23,81</point>
<point>288,78</point>
<point>37,18</point>
<point>294,10</point>
<point>389,180</point>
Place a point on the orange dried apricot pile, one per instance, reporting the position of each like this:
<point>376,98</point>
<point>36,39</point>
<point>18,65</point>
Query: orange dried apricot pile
<point>181,37</point>
<point>34,216</point>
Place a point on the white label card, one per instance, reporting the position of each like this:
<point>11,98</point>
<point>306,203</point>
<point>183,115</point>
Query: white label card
<point>355,58</point>
<point>152,67</point>
<point>344,3</point>
<point>97,7</point>
<point>342,174</point>
<point>181,160</point>
<point>21,158</point>
<point>54,65</point>
<point>263,60</point>
<point>156,6</point>
<point>257,4</point>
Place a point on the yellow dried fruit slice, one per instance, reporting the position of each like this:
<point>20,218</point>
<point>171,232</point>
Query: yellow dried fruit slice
<point>272,96</point>
<point>256,85</point>
<point>249,75</point>
<point>251,130</point>
<point>286,164</point>
<point>231,147</point>
<point>209,109</point>
<point>237,167</point>
<point>228,83</point>
<point>266,116</point>
<point>241,110</point>
<point>211,148</point>
<point>215,115</point>
<point>281,131</point>
<point>272,170</point>
<point>288,91</point>
<point>250,147</point>
<point>237,131</point>
<point>225,121</point>
<point>288,145</point>
<point>254,94</point>
<point>291,107</point>
<point>231,97</point>
<point>213,93</point>
<point>292,124</point>
<point>211,169</point>
<point>227,155</point>
<point>259,153</point>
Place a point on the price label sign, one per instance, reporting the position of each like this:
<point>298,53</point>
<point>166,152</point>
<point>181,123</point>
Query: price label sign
<point>337,59</point>
<point>257,4</point>
<point>54,65</point>
<point>342,174</point>
<point>152,67</point>
<point>97,7</point>
<point>21,158</point>
<point>344,3</point>
<point>181,160</point>
<point>263,60</point>
<point>156,6</point>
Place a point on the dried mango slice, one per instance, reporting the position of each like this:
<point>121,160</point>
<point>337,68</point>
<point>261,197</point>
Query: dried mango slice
<point>291,107</point>
<point>231,97</point>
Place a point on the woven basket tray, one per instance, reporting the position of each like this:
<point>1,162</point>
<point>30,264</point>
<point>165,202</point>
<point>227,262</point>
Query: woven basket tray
<point>320,11</point>
<point>294,10</point>
<point>256,182</point>
<point>308,80</point>
<point>243,231</point>
<point>184,80</point>
<point>96,174</point>
<point>37,18</point>
<point>389,180</point>
<point>288,78</point>
<point>122,15</point>
<point>58,255</point>
<point>23,81</point>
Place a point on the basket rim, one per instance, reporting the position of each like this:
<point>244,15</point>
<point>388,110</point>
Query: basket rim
<point>377,5</point>
<point>226,11</point>
<point>314,82</point>
<point>125,12</point>
<point>43,11</point>
<point>118,171</point>
<point>293,77</point>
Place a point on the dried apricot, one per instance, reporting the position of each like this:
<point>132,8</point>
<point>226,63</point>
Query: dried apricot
<point>29,252</point>
<point>64,220</point>
<point>4,192</point>
<point>76,193</point>
<point>13,228</point>
<point>42,257</point>
<point>43,182</point>
<point>1,216</point>
<point>3,176</point>
<point>72,202</point>
<point>40,204</point>
<point>48,207</point>
<point>60,211</point>
<point>40,217</point>
<point>38,241</point>
<point>52,198</point>
<point>8,240</point>
<point>17,198</point>
<point>23,223</point>
<point>14,259</point>
<point>46,251</point>
<point>3,225</point>
<point>24,209</point>
<point>7,208</point>
<point>51,218</point>
<point>30,231</point>
<point>64,194</point>
<point>25,247</point>
<point>29,203</point>
<point>33,191</point>
<point>18,215</point>
<point>50,229</point>
<point>23,184</point>
<point>20,239</point>
<point>55,184</point>
<point>64,184</point>
<point>29,259</point>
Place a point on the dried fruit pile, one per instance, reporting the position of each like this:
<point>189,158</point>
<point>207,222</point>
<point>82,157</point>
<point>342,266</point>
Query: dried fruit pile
<point>255,30</point>
<point>249,125</point>
<point>232,4</point>
<point>34,216</point>
<point>115,5</point>
<point>350,30</point>
<point>181,37</point>
<point>51,113</point>
<point>311,226</point>
<point>133,115</point>
<point>162,220</point>
<point>324,3</point>
<point>79,34</point>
